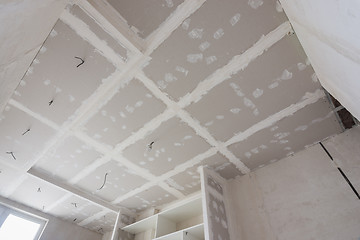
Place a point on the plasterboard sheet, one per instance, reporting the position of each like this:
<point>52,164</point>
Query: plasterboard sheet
<point>174,143</point>
<point>95,28</point>
<point>70,157</point>
<point>125,113</point>
<point>8,177</point>
<point>119,181</point>
<point>104,224</point>
<point>307,126</point>
<point>36,193</point>
<point>208,40</point>
<point>144,16</point>
<point>75,209</point>
<point>55,77</point>
<point>15,137</point>
<point>274,81</point>
<point>188,181</point>
<point>152,197</point>
<point>345,149</point>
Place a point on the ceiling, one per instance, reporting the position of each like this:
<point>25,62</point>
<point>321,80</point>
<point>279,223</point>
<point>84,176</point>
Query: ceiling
<point>125,99</point>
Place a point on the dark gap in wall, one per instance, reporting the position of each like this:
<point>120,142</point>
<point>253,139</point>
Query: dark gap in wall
<point>345,118</point>
<point>341,172</point>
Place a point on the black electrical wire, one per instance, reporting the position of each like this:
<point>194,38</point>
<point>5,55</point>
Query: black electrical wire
<point>104,181</point>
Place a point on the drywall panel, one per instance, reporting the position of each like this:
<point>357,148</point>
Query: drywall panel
<point>19,146</point>
<point>275,80</point>
<point>110,181</point>
<point>216,220</point>
<point>9,178</point>
<point>188,181</point>
<point>31,22</point>
<point>174,143</point>
<point>144,16</point>
<point>345,149</point>
<point>75,209</point>
<point>103,224</point>
<point>99,32</point>
<point>36,193</point>
<point>125,113</point>
<point>208,40</point>
<point>67,159</point>
<point>292,134</point>
<point>300,197</point>
<point>152,197</point>
<point>62,85</point>
<point>332,44</point>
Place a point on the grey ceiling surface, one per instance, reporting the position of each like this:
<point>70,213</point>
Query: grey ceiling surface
<point>125,129</point>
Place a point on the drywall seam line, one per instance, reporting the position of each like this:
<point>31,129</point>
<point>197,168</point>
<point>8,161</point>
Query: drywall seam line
<point>37,116</point>
<point>236,64</point>
<point>234,160</point>
<point>109,28</point>
<point>89,169</point>
<point>171,190</point>
<point>146,129</point>
<point>178,169</point>
<point>94,217</point>
<point>192,123</point>
<point>182,12</point>
<point>308,99</point>
<point>115,153</point>
<point>99,147</point>
<point>83,30</point>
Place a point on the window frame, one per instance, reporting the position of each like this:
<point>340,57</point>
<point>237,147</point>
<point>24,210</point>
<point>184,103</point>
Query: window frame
<point>6,210</point>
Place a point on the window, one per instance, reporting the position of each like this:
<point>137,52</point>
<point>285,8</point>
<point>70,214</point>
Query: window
<point>16,225</point>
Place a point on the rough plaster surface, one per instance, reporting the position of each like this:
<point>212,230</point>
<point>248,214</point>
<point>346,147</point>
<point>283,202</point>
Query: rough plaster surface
<point>300,197</point>
<point>331,43</point>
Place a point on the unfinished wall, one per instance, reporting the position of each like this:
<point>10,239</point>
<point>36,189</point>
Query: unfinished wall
<point>56,229</point>
<point>329,32</point>
<point>31,22</point>
<point>300,197</point>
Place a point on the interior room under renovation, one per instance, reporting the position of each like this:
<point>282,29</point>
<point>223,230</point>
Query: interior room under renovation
<point>179,119</point>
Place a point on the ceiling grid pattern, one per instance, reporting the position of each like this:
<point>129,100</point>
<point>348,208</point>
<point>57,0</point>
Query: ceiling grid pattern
<point>160,116</point>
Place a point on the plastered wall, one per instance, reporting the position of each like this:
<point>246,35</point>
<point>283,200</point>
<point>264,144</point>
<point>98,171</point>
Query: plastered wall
<point>303,196</point>
<point>329,32</point>
<point>56,229</point>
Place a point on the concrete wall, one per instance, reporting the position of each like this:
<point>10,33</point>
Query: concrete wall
<point>329,32</point>
<point>303,196</point>
<point>56,229</point>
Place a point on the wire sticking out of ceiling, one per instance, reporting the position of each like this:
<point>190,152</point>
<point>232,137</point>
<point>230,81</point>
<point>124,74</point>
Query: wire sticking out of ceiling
<point>150,146</point>
<point>39,190</point>
<point>104,181</point>
<point>28,130</point>
<point>82,61</point>
<point>12,154</point>
<point>51,102</point>
<point>75,204</point>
